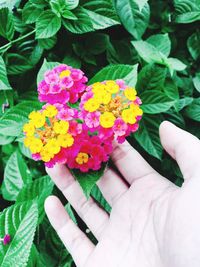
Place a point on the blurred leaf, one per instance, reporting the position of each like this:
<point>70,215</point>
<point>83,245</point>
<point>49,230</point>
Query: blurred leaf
<point>148,136</point>
<point>16,174</point>
<point>4,83</point>
<point>196,81</point>
<point>6,24</point>
<point>71,4</point>
<point>134,20</point>
<point>47,25</point>
<point>193,110</point>
<point>113,72</point>
<point>20,222</point>
<point>4,139</point>
<point>193,44</point>
<point>187,11</point>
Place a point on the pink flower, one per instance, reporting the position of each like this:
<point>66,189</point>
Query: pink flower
<point>92,119</point>
<point>120,127</point>
<point>6,239</point>
<point>62,84</point>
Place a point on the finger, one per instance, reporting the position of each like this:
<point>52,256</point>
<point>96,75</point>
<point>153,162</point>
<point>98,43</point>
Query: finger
<point>112,186</point>
<point>130,163</point>
<point>76,242</point>
<point>93,215</point>
<point>183,147</point>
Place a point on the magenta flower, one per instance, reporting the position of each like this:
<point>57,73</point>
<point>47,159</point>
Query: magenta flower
<point>6,239</point>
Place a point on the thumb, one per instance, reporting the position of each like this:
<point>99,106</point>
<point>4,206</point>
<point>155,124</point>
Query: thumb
<point>183,147</point>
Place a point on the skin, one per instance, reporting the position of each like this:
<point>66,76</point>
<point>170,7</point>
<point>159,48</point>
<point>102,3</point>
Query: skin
<point>153,223</point>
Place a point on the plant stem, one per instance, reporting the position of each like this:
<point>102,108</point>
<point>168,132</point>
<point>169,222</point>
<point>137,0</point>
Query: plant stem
<point>18,39</point>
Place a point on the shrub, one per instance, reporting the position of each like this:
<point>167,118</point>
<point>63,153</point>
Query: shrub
<point>153,45</point>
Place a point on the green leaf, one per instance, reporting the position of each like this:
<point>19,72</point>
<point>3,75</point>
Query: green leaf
<point>71,4</point>
<point>196,82</point>
<point>18,64</point>
<point>67,14</point>
<point>193,44</point>
<point>187,11</point>
<point>4,83</point>
<point>182,103</point>
<point>48,43</point>
<point>134,20</point>
<point>72,60</point>
<point>141,3</point>
<point>47,25</point>
<point>155,102</point>
<point>97,195</point>
<point>40,188</point>
<point>82,25</point>
<point>151,77</point>
<point>193,110</point>
<point>20,222</point>
<point>148,52</point>
<point>175,64</point>
<point>4,139</point>
<point>6,24</point>
<point>89,179</point>
<point>148,135</point>
<point>161,42</point>
<point>120,71</point>
<point>30,13</point>
<point>13,120</point>
<point>45,66</point>
<point>16,174</point>
<point>101,13</point>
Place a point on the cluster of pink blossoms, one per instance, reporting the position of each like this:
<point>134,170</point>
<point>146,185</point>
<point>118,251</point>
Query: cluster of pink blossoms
<point>80,137</point>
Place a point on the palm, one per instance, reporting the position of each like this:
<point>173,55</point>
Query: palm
<point>150,222</point>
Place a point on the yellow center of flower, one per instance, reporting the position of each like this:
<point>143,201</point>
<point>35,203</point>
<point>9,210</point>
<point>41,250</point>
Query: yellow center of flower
<point>82,158</point>
<point>45,134</point>
<point>65,73</point>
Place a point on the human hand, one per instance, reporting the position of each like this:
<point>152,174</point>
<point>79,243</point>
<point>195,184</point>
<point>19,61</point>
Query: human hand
<point>153,223</point>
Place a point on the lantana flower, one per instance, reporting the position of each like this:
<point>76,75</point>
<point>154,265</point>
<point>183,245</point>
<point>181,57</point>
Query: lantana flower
<point>62,84</point>
<point>80,137</point>
<point>6,239</point>
<point>111,108</point>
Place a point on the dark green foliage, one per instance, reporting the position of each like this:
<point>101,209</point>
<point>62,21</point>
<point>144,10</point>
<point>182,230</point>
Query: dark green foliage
<point>153,45</point>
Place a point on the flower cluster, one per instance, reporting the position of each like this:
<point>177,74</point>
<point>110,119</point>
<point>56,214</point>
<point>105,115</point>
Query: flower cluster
<point>80,137</point>
<point>62,84</point>
<point>111,108</point>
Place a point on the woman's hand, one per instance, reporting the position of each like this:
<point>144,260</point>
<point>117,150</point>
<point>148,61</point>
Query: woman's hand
<point>153,223</point>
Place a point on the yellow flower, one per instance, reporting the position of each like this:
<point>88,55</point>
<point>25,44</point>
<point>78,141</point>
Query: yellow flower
<point>130,93</point>
<point>61,127</point>
<point>112,87</point>
<point>35,145</point>
<point>102,96</point>
<point>107,119</point>
<point>53,146</point>
<point>128,116</point>
<point>65,73</point>
<point>50,111</point>
<point>136,109</point>
<point>82,158</point>
<point>65,140</point>
<point>37,119</point>
<point>45,154</point>
<point>29,129</point>
<point>91,105</point>
<point>28,140</point>
<point>98,87</point>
